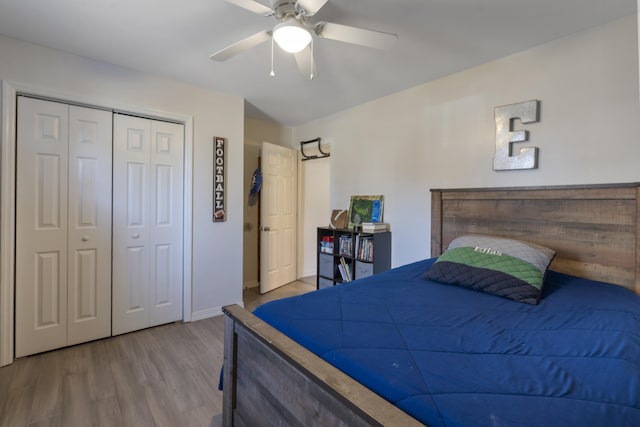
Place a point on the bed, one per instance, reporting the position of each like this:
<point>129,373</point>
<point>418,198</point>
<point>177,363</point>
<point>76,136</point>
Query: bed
<point>573,358</point>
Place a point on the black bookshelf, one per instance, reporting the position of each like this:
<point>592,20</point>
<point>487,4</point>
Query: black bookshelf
<point>345,255</point>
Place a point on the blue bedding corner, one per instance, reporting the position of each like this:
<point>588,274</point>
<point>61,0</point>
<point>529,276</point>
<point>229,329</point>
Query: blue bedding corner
<point>450,356</point>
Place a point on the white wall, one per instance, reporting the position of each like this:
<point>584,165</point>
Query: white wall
<point>442,134</point>
<point>315,210</point>
<point>250,248</point>
<point>217,247</point>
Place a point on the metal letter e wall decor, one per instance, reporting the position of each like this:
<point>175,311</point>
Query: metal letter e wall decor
<point>507,158</point>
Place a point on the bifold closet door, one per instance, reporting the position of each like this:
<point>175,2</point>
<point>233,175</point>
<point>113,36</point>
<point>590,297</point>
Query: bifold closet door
<point>63,225</point>
<point>147,223</point>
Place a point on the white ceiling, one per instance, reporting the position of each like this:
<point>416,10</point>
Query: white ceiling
<point>174,39</point>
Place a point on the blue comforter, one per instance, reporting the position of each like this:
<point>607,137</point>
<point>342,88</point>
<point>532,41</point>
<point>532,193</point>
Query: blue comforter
<point>455,357</point>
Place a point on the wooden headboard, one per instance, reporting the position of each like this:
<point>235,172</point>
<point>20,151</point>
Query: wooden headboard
<point>593,228</point>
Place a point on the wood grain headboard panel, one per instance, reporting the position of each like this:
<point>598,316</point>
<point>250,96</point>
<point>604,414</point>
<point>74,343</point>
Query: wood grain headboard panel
<point>593,228</point>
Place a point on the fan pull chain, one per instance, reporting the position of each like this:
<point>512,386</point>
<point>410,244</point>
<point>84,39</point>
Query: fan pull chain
<point>272,73</point>
<point>311,61</point>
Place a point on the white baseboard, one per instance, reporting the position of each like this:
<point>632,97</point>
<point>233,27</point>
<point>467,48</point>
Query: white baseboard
<point>205,314</point>
<point>210,312</point>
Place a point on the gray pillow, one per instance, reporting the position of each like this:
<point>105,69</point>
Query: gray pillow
<point>505,267</point>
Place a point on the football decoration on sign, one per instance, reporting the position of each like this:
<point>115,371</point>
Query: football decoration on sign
<point>219,208</point>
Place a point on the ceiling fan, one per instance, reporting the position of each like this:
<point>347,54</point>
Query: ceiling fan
<point>294,30</point>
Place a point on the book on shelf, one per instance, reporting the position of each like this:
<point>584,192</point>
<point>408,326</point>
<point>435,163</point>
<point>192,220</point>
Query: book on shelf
<point>346,245</point>
<point>343,274</point>
<point>372,227</point>
<point>326,244</point>
<point>365,248</point>
<point>345,270</point>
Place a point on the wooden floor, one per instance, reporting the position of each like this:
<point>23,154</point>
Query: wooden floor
<point>162,376</point>
<point>252,297</point>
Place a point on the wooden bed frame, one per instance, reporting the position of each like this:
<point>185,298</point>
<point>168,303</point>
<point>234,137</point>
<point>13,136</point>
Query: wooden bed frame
<point>271,380</point>
<point>594,229</point>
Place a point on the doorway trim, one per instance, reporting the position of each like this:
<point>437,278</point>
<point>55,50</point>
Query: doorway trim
<point>9,91</point>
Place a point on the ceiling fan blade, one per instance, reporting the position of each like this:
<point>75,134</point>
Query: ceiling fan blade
<point>240,46</point>
<point>311,7</point>
<point>252,6</point>
<point>306,64</point>
<point>360,36</point>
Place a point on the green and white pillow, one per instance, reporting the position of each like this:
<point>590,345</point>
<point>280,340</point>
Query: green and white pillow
<point>505,267</point>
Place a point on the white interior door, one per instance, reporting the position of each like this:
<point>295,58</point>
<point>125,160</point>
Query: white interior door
<point>63,225</point>
<point>41,226</point>
<point>131,157</point>
<point>277,217</point>
<point>147,223</point>
<point>167,148</point>
<point>89,225</point>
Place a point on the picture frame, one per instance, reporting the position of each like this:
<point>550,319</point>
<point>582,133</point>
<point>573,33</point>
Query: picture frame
<point>365,209</point>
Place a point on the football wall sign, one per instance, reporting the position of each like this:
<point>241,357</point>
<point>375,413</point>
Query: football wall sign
<point>219,179</point>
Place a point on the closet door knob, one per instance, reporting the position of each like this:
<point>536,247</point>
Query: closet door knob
<point>85,238</point>
<point>136,236</point>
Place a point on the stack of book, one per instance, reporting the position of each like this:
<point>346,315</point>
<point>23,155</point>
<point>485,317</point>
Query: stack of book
<point>373,227</point>
<point>326,244</point>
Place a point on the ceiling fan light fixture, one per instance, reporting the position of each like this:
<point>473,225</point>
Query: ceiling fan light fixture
<point>291,36</point>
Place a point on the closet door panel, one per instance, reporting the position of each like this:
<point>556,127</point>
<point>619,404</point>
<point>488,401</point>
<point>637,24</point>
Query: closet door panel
<point>131,177</point>
<point>90,163</point>
<point>167,147</point>
<point>148,248</point>
<point>41,226</point>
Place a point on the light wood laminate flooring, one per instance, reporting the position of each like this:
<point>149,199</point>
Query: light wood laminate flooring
<point>162,376</point>
<point>252,298</point>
